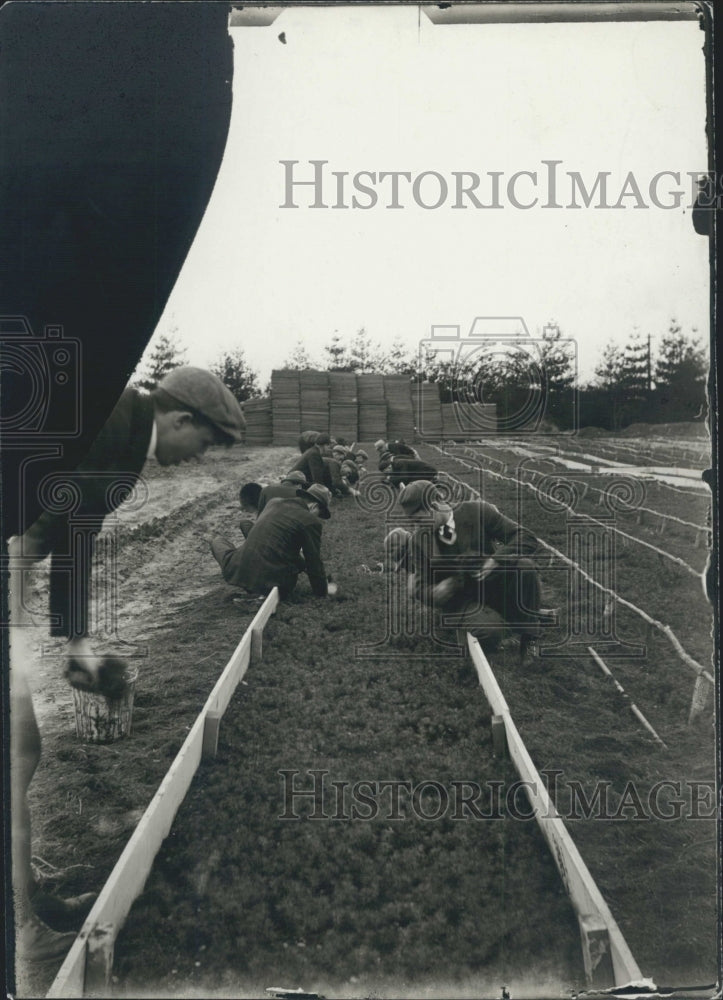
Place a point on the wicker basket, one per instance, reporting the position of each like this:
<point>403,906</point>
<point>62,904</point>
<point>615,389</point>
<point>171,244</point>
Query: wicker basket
<point>101,720</point>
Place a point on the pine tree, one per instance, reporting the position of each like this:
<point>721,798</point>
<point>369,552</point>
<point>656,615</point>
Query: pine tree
<point>162,355</point>
<point>557,359</point>
<point>609,371</point>
<point>364,355</point>
<point>235,372</point>
<point>400,361</point>
<point>636,366</point>
<point>299,359</point>
<point>681,361</point>
<point>680,373</point>
<point>337,355</point>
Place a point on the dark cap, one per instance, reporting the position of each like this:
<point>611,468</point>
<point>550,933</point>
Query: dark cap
<point>421,495</point>
<point>295,476</point>
<point>207,395</point>
<point>317,493</point>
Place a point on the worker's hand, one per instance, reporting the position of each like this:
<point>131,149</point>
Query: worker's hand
<point>105,675</point>
<point>444,591</point>
<point>487,566</point>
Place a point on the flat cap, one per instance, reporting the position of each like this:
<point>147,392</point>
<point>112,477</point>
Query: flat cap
<point>206,394</point>
<point>420,495</point>
<point>296,476</point>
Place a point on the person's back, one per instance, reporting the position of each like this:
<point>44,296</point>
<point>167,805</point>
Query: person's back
<point>271,555</point>
<point>311,462</point>
<point>400,447</point>
<point>409,470</point>
<point>277,491</point>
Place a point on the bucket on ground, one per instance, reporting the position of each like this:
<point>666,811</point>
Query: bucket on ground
<point>99,719</point>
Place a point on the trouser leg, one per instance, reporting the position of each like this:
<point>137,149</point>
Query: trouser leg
<point>224,552</point>
<point>513,589</point>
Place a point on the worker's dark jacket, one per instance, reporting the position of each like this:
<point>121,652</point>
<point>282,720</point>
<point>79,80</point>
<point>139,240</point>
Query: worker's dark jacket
<point>285,491</point>
<point>399,448</point>
<point>481,531</point>
<point>336,481</point>
<point>312,465</point>
<point>77,502</point>
<point>409,470</point>
<point>271,556</point>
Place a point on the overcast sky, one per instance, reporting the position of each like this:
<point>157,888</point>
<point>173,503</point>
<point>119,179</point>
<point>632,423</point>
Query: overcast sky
<point>383,89</point>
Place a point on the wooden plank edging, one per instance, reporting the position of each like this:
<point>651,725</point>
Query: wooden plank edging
<point>126,881</point>
<point>586,898</point>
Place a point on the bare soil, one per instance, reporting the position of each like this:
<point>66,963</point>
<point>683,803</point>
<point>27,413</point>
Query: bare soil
<point>239,899</point>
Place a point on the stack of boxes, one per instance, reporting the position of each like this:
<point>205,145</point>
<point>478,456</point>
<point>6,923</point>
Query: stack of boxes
<point>314,388</point>
<point>343,414</point>
<point>257,413</point>
<point>372,407</point>
<point>400,414</point>
<point>427,410</point>
<point>286,406</point>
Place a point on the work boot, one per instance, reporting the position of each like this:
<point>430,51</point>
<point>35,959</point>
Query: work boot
<point>36,942</point>
<point>63,914</point>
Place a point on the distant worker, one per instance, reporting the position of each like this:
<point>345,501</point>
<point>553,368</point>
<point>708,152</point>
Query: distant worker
<point>311,464</point>
<point>395,447</point>
<point>306,439</point>
<point>284,542</point>
<point>339,476</point>
<point>401,470</point>
<point>286,488</point>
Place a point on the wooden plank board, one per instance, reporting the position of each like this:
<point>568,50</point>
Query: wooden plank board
<point>487,679</point>
<point>584,894</point>
<point>267,609</point>
<point>129,875</point>
<point>231,677</point>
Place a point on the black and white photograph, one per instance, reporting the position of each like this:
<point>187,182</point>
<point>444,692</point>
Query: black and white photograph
<point>359,500</point>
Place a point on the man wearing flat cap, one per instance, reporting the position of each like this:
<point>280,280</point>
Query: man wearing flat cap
<point>284,542</point>
<point>475,562</point>
<point>188,411</point>
<point>285,489</point>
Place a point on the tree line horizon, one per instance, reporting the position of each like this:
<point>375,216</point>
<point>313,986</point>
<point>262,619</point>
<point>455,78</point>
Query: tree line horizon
<point>632,383</point>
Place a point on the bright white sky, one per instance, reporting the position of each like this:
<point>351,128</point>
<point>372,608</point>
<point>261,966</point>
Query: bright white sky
<point>385,89</point>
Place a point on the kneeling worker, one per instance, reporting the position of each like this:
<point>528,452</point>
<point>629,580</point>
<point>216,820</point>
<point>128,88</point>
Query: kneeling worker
<point>286,488</point>
<point>284,542</point>
<point>476,564</point>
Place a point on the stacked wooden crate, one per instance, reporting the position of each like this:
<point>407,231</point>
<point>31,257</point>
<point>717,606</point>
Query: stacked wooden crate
<point>372,407</point>
<point>427,410</point>
<point>314,389</point>
<point>259,426</point>
<point>343,409</point>
<point>400,413</point>
<point>286,406</point>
